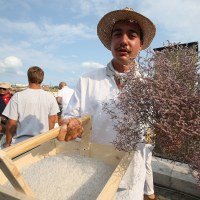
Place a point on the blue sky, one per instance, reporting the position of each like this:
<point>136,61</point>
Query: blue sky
<point>60,35</point>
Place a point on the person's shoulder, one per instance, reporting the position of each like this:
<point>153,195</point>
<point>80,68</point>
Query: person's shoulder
<point>67,89</point>
<point>19,95</point>
<point>22,92</point>
<point>47,93</point>
<point>95,73</point>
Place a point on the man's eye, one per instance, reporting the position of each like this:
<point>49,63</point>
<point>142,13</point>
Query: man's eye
<point>116,34</point>
<point>133,35</point>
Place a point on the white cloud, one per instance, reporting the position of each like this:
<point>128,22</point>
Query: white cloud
<point>19,27</point>
<point>67,32</point>
<point>179,19</point>
<point>46,33</point>
<point>176,21</point>
<point>98,7</point>
<point>12,62</point>
<point>92,65</point>
<point>11,65</point>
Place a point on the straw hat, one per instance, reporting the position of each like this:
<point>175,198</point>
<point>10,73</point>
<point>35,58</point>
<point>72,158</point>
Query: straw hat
<point>5,85</point>
<point>105,26</point>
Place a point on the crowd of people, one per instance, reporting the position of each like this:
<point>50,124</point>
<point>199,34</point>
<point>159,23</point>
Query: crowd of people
<point>32,111</point>
<point>24,116</point>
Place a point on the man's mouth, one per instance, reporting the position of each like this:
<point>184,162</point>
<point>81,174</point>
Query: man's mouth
<point>123,50</point>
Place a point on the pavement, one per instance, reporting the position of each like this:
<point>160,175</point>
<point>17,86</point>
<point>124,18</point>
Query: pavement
<point>174,180</point>
<point>169,194</point>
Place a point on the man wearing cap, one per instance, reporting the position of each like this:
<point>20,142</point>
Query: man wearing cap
<point>125,33</point>
<point>5,96</point>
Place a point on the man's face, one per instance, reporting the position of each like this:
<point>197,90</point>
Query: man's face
<point>125,41</point>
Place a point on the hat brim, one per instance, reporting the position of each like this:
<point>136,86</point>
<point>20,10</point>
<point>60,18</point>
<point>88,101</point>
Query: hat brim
<point>5,86</point>
<point>105,26</point>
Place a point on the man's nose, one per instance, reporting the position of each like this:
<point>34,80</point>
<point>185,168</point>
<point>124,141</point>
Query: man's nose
<point>124,39</point>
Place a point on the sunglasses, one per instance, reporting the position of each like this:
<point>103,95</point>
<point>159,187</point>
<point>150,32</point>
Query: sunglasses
<point>3,89</point>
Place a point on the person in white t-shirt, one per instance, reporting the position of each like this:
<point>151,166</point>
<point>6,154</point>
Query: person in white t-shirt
<point>125,33</point>
<point>63,96</point>
<point>31,111</point>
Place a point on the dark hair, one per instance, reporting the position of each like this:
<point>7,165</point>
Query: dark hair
<point>35,75</point>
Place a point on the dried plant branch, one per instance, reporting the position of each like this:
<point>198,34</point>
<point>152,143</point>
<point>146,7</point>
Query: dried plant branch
<point>165,98</point>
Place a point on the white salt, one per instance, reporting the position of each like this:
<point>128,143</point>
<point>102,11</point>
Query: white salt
<point>67,177</point>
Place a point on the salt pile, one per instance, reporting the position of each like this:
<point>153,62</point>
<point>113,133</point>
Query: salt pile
<point>67,177</point>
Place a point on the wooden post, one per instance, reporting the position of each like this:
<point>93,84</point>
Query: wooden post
<point>7,194</point>
<point>86,136</point>
<point>11,171</point>
<point>26,145</point>
<point>13,175</point>
<point>111,186</point>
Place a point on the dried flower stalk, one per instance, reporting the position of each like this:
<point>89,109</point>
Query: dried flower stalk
<point>165,98</point>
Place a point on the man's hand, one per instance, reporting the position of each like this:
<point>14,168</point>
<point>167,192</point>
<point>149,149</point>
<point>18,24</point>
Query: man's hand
<point>70,129</point>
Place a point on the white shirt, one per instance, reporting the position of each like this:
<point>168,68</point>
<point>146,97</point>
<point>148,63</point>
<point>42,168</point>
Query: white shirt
<point>65,93</point>
<point>31,108</point>
<point>94,89</point>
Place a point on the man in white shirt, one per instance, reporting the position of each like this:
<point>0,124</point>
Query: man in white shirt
<point>63,97</point>
<point>125,33</point>
<point>31,111</point>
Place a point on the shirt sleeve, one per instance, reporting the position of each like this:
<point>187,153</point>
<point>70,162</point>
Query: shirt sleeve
<point>59,93</point>
<point>54,106</point>
<point>11,110</point>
